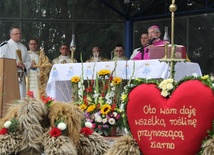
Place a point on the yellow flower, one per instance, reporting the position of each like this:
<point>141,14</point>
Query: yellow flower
<point>123,97</point>
<point>116,80</point>
<point>91,108</point>
<point>104,72</point>
<point>75,79</point>
<point>138,80</point>
<point>83,107</point>
<point>105,109</point>
<point>205,77</point>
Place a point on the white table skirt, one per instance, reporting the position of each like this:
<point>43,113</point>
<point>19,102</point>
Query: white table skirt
<point>59,83</point>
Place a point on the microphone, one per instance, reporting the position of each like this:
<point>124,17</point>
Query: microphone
<point>151,41</point>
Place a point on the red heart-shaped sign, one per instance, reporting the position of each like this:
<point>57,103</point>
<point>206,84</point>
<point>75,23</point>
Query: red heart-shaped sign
<point>173,126</point>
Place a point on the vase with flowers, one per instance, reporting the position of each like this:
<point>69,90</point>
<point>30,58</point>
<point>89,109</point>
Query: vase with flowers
<point>99,98</point>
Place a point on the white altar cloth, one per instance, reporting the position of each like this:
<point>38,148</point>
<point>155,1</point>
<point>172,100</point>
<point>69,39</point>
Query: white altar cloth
<point>59,83</point>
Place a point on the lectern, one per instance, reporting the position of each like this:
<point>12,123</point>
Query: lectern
<point>9,86</point>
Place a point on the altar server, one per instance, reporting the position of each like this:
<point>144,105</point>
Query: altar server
<point>14,49</point>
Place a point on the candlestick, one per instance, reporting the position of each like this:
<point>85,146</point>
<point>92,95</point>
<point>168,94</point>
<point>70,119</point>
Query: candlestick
<point>72,47</point>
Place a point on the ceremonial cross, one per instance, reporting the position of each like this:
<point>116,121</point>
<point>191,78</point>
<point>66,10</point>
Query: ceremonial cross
<point>172,60</point>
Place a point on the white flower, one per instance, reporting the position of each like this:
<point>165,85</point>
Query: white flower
<point>195,75</point>
<point>79,92</point>
<point>96,95</point>
<point>61,126</point>
<point>164,87</point>
<point>111,121</point>
<point>162,84</point>
<point>109,101</point>
<point>105,120</point>
<point>7,124</point>
<point>113,88</point>
<point>121,106</point>
<point>169,80</point>
<point>213,84</point>
<point>212,78</point>
<point>108,96</point>
<point>88,124</point>
<point>115,114</point>
<point>96,115</point>
<point>98,119</point>
<point>164,93</point>
<point>169,86</point>
<point>112,94</point>
<point>79,84</point>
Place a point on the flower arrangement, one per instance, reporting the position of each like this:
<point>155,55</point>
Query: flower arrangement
<point>9,126</point>
<point>100,100</point>
<point>59,129</point>
<point>166,87</point>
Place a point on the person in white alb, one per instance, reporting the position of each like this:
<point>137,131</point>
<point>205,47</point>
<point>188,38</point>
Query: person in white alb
<point>39,71</point>
<point>14,49</point>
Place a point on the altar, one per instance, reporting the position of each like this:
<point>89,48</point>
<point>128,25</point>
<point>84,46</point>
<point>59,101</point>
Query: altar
<point>59,83</point>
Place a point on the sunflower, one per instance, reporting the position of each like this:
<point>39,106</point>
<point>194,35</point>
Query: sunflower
<point>105,109</point>
<point>116,81</point>
<point>104,72</point>
<point>75,79</point>
<point>91,108</point>
<point>83,107</point>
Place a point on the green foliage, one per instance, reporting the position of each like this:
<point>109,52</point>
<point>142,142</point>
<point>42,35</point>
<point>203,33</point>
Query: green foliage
<point>14,125</point>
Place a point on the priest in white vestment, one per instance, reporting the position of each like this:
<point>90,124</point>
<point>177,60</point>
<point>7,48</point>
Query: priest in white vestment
<point>65,56</point>
<point>119,54</point>
<point>39,71</point>
<point>96,56</point>
<point>14,49</point>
